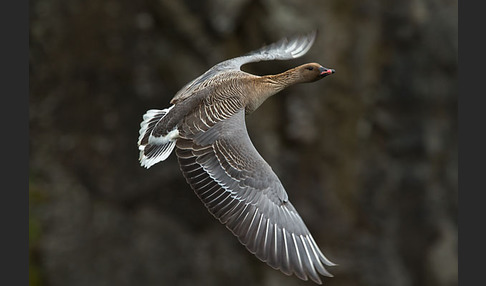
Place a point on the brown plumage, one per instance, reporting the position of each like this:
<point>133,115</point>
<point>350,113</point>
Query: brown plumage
<point>206,126</point>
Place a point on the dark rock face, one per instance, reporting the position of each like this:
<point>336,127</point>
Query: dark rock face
<point>368,155</point>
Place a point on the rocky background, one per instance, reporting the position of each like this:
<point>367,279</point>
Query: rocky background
<point>368,155</point>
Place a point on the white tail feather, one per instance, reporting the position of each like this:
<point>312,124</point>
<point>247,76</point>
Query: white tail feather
<point>155,149</point>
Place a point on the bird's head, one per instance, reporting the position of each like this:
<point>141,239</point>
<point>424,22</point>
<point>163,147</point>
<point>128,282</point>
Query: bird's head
<point>312,72</point>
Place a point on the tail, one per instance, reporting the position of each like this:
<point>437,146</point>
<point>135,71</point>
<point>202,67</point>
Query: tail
<point>154,149</point>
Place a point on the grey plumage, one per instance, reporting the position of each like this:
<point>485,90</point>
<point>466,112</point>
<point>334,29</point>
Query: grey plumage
<point>206,125</point>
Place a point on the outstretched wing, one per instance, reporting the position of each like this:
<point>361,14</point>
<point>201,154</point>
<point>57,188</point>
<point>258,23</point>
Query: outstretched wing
<point>240,189</point>
<point>285,49</point>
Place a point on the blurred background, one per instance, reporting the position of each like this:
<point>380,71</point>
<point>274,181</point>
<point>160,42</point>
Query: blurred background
<point>368,155</point>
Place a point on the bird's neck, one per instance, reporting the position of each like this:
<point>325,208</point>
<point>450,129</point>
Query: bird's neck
<point>269,85</point>
<point>285,79</point>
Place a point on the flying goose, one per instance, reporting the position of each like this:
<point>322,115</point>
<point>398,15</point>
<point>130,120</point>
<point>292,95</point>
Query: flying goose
<point>206,126</point>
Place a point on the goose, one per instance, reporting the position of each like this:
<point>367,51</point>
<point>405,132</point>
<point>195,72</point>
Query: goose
<point>205,124</point>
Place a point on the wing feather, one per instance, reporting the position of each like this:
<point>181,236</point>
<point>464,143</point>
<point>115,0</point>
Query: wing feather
<point>240,189</point>
<point>285,49</point>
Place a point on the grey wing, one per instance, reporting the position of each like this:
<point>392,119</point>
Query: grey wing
<point>240,189</point>
<point>285,49</point>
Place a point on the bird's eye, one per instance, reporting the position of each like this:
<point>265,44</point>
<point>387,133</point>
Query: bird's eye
<point>309,68</point>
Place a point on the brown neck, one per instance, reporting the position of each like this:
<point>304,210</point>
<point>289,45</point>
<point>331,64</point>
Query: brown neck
<point>285,79</point>
<point>269,85</point>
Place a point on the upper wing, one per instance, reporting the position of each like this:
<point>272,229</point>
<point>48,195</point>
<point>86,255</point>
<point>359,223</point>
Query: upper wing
<point>285,49</point>
<point>240,189</point>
